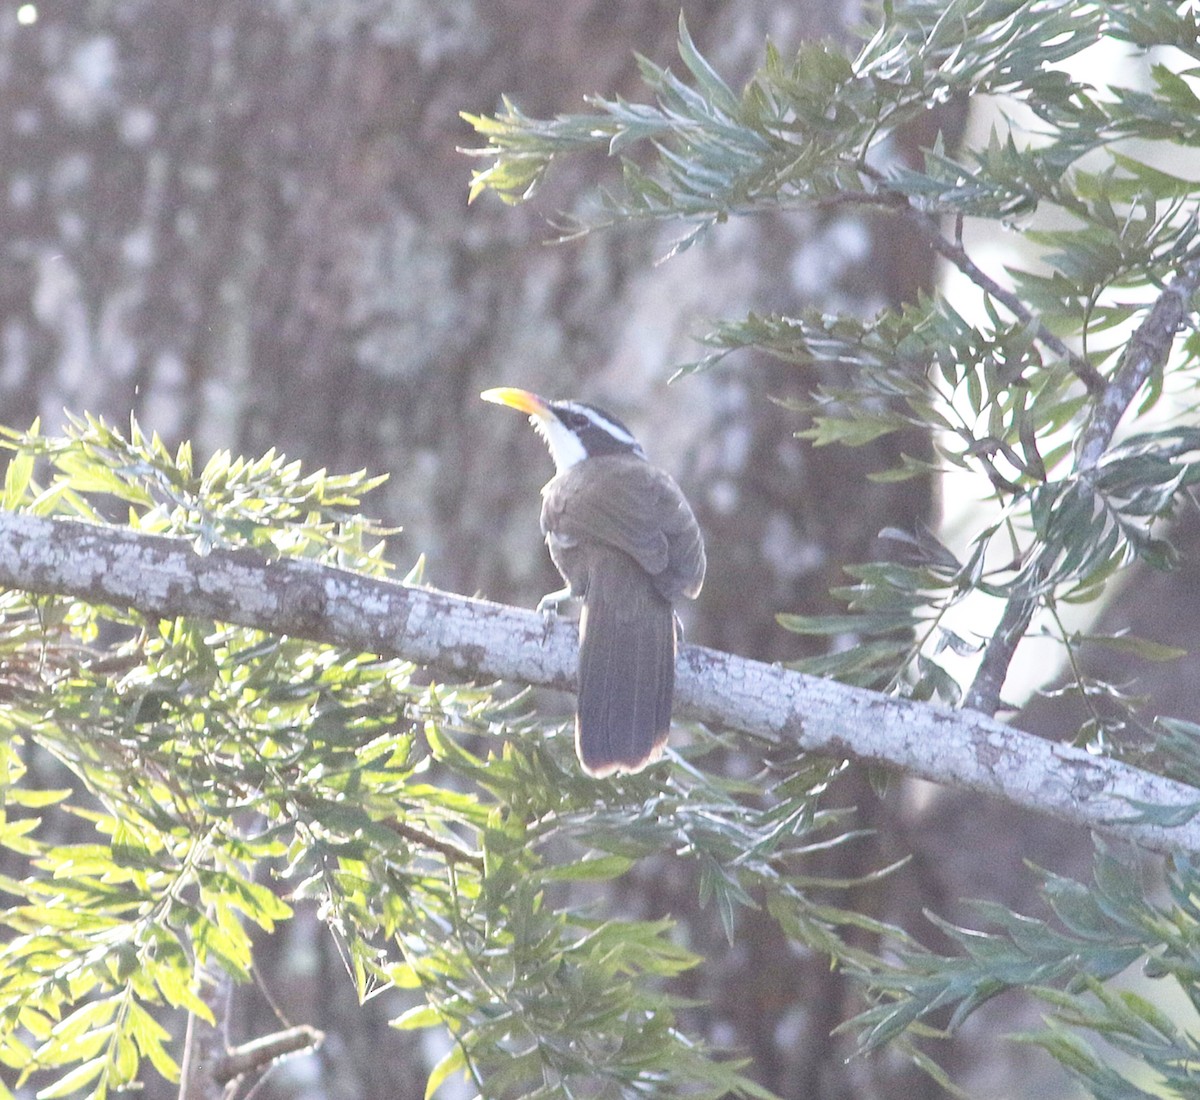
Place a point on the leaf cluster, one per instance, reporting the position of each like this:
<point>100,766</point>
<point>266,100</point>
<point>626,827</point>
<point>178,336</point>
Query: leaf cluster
<point>809,127</point>
<point>1067,961</point>
<point>268,504</point>
<point>172,791</point>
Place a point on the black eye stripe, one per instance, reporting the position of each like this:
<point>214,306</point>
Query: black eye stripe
<point>599,432</point>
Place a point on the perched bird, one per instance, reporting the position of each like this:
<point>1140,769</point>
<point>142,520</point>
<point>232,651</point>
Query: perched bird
<point>627,544</point>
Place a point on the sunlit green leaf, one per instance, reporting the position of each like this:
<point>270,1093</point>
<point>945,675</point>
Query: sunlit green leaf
<point>454,1060</point>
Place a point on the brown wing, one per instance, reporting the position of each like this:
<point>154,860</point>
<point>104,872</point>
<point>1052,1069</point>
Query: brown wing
<point>625,502</point>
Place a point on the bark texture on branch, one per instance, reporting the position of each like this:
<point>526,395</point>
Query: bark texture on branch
<point>477,639</point>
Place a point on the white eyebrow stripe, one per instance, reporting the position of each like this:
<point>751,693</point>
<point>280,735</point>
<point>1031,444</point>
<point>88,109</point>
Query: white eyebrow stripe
<point>617,431</point>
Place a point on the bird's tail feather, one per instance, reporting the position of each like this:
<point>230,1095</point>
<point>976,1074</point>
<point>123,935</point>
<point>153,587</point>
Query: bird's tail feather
<point>626,668</point>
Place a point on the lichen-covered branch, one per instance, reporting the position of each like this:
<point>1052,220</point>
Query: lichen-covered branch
<point>254,1057</point>
<point>479,640</point>
<point>1145,354</point>
<point>204,1045</point>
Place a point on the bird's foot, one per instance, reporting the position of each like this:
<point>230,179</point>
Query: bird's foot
<point>563,603</point>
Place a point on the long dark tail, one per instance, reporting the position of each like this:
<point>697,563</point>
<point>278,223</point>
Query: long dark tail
<point>626,667</point>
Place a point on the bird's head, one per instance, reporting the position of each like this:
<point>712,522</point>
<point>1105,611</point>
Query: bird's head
<point>572,430</point>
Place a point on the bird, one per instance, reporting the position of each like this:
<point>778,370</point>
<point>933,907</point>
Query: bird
<point>628,546</point>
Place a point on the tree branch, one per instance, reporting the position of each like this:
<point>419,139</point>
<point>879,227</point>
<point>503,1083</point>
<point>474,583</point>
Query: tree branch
<point>259,1054</point>
<point>204,1044</point>
<point>988,683</point>
<point>1146,353</point>
<point>476,639</point>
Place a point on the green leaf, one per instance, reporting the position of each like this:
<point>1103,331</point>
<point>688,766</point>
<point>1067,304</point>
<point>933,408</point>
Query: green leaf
<point>1144,648</point>
<point>862,428</point>
<point>717,93</point>
<point>418,1017</point>
<point>593,869</point>
<point>874,623</point>
<point>34,799</point>
<point>75,1081</point>
<point>17,477</point>
<point>454,1059</point>
<point>86,1018</point>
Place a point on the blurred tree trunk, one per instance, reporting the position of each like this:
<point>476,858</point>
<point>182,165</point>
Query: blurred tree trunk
<point>245,221</point>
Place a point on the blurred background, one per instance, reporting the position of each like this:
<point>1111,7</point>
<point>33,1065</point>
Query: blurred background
<point>245,221</point>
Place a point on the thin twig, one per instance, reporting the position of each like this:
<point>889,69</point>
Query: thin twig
<point>451,852</point>
<point>954,251</point>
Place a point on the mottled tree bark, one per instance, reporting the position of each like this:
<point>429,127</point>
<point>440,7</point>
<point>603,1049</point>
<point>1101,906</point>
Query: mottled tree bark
<point>470,639</point>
